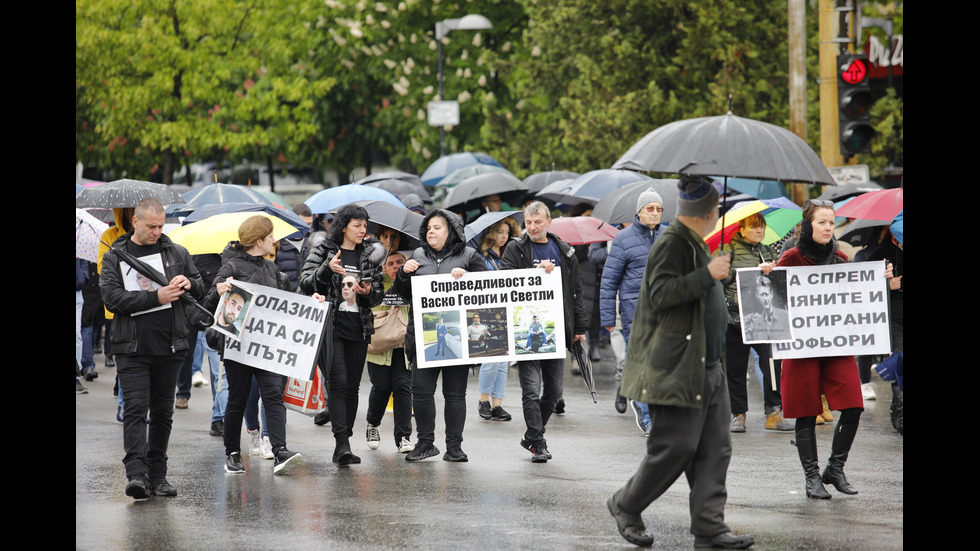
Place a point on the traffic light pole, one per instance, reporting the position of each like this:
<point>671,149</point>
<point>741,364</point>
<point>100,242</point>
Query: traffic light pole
<point>830,30</point>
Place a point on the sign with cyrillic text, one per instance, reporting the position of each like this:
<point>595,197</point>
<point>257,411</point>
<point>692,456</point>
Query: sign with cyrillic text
<point>493,316</point>
<point>282,333</point>
<point>837,310</point>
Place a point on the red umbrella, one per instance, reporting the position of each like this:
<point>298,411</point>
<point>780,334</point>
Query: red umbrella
<point>883,205</point>
<point>582,230</point>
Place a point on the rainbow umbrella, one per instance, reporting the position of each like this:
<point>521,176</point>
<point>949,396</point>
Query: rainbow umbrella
<point>781,215</point>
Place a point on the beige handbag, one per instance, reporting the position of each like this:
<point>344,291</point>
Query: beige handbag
<point>389,330</point>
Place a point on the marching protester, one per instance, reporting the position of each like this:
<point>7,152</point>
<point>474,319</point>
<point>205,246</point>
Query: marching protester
<point>676,365</point>
<point>387,369</point>
<point>493,375</point>
<point>542,381</point>
<point>245,261</point>
<point>345,268</point>
<point>835,376</point>
<point>149,347</point>
<point>747,251</point>
<point>622,276</point>
<point>443,251</point>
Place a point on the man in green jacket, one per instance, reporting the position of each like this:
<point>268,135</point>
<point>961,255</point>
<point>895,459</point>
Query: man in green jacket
<point>676,365</point>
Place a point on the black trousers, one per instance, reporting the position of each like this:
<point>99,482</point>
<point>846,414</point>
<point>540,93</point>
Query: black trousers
<point>737,360</point>
<point>542,384</point>
<point>396,381</point>
<point>148,384</point>
<point>454,393</point>
<point>239,385</point>
<point>695,441</point>
<point>343,381</point>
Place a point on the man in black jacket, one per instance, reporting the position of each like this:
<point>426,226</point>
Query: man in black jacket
<point>149,337</point>
<point>538,248</point>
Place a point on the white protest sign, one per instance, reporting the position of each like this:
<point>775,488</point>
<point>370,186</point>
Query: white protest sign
<point>837,310</point>
<point>282,333</point>
<point>490,316</point>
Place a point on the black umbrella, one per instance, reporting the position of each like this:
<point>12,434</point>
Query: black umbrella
<point>400,187</point>
<point>537,182</point>
<point>585,365</point>
<point>727,146</point>
<point>392,216</point>
<point>126,193</point>
<point>471,191</point>
<point>149,271</point>
<point>840,193</point>
<point>619,206</point>
<point>589,187</point>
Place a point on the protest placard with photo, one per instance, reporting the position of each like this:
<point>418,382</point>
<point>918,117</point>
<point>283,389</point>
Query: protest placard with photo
<point>282,333</point>
<point>232,311</point>
<point>135,281</point>
<point>488,316</point>
<point>762,300</point>
<point>837,310</point>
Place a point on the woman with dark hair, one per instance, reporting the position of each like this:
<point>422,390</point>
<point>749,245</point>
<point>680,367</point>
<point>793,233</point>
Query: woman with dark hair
<point>836,376</point>
<point>244,260</point>
<point>493,375</point>
<point>443,251</point>
<point>345,269</point>
<point>747,251</point>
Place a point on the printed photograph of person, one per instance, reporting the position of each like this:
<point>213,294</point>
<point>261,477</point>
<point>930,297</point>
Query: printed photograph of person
<point>487,332</point>
<point>443,336</point>
<point>764,314</point>
<point>534,332</point>
<point>232,310</point>
<point>348,292</point>
<point>135,281</point>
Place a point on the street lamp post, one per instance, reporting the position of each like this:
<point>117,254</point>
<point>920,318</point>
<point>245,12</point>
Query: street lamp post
<point>471,22</point>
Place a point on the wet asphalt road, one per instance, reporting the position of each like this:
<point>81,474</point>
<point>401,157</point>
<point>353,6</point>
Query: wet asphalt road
<point>498,500</point>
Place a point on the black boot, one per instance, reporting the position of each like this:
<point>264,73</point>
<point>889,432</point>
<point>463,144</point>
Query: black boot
<point>806,446</point>
<point>834,472</point>
<point>898,407</point>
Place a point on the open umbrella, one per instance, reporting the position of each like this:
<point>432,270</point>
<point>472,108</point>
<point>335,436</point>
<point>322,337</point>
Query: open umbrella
<point>125,193</point>
<point>619,206</point>
<point>537,182</point>
<point>590,187</point>
<point>401,188</point>
<point>585,366</point>
<point>582,230</point>
<point>211,235</point>
<point>781,215</point>
<point>861,233</point>
<point>468,193</point>
<point>758,189</point>
<point>443,166</point>
<point>395,217</point>
<point>839,193</point>
<point>88,232</point>
<point>324,201</point>
<point>883,205</point>
<point>476,228</point>
<point>455,177</point>
<point>391,175</point>
<point>208,211</point>
<point>727,146</point>
<point>216,193</point>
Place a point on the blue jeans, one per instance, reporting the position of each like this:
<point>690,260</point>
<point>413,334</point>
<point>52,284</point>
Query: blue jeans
<point>252,410</point>
<point>493,379</point>
<point>219,386</point>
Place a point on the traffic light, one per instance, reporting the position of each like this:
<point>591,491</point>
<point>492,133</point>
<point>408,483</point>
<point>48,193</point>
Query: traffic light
<point>854,103</point>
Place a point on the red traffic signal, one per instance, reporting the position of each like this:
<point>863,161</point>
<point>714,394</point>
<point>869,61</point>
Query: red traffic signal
<point>854,102</point>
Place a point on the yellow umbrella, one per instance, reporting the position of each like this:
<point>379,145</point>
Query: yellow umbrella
<point>212,234</point>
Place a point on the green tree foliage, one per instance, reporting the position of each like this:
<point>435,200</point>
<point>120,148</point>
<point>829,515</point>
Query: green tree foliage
<point>162,79</point>
<point>601,75</point>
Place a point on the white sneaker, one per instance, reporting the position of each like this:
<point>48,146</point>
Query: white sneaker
<point>373,437</point>
<point>868,391</point>
<point>405,445</point>
<point>267,448</point>
<point>255,447</point>
<point>198,379</point>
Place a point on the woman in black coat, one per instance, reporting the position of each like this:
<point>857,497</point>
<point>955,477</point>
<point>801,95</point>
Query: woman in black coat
<point>346,268</point>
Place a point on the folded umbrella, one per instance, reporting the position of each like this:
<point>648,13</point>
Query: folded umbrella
<point>585,366</point>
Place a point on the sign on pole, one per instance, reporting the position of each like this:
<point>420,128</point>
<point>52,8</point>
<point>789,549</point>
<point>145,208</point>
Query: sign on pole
<point>443,113</point>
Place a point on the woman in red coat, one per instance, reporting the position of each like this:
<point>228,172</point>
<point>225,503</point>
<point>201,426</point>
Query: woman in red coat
<point>804,379</point>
